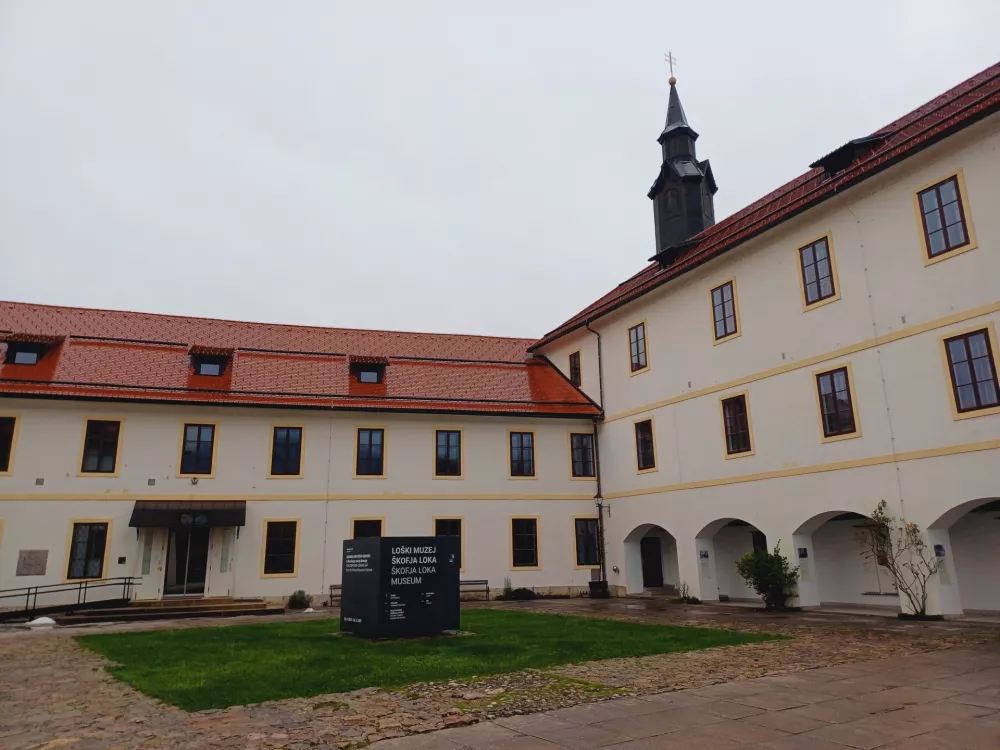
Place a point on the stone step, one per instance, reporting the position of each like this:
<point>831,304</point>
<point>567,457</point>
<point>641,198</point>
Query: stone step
<point>134,614</point>
<point>668,591</point>
<point>189,601</point>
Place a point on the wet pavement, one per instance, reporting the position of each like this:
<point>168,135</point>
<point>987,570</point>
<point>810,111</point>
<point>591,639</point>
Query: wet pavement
<point>54,693</point>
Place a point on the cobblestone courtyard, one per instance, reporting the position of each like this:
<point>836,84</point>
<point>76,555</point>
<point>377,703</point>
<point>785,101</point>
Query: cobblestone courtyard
<point>839,680</point>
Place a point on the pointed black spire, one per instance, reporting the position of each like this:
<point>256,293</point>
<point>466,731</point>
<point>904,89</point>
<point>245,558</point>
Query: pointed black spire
<point>675,112</point>
<point>682,193</point>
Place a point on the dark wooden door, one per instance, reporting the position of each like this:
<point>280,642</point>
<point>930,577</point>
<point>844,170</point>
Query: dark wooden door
<point>652,562</point>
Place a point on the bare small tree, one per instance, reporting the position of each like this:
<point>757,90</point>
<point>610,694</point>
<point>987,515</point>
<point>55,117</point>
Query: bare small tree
<point>899,547</point>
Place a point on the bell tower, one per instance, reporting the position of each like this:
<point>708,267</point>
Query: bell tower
<point>682,195</point>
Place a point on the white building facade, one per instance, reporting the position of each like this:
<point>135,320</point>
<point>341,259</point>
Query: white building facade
<point>765,380</point>
<point>899,331</point>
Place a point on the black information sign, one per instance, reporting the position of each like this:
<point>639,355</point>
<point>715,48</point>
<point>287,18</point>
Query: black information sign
<point>400,587</point>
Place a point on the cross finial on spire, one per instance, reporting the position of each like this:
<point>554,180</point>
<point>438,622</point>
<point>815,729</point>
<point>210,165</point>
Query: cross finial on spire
<point>670,60</point>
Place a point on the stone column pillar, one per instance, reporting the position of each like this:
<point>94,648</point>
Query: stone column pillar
<point>802,554</point>
<point>696,564</point>
<point>943,595</point>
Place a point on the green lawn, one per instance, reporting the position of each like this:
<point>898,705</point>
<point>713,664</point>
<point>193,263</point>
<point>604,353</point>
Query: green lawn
<point>215,667</point>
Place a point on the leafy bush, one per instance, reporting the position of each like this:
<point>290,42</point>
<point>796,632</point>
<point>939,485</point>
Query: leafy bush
<point>685,597</point>
<point>900,548</point>
<point>507,588</point>
<point>520,595</point>
<point>769,574</point>
<point>299,600</point>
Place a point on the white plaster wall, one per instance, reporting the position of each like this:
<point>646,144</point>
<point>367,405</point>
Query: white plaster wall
<point>882,279</point>
<point>324,525</point>
<point>844,575</point>
<point>585,342</point>
<point>325,499</point>
<point>975,539</point>
<point>50,438</point>
<point>731,543</point>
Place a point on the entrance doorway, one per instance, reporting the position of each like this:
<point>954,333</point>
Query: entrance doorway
<point>652,562</point>
<point>187,562</point>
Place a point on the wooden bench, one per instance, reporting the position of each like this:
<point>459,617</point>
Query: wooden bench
<point>474,587</point>
<point>464,587</point>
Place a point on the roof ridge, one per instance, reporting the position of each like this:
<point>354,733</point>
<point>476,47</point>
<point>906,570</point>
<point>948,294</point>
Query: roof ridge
<point>72,308</point>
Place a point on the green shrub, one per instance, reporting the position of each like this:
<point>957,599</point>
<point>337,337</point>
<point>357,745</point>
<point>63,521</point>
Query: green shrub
<point>299,600</point>
<point>507,588</point>
<point>520,595</point>
<point>769,574</point>
<point>685,597</point>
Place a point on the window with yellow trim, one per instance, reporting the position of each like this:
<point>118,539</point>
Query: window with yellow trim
<point>586,534</point>
<point>86,550</point>
<point>972,366</point>
<point>6,441</point>
<point>943,217</point>
<point>100,446</point>
<point>524,542</point>
<point>286,451</point>
<point>280,538</point>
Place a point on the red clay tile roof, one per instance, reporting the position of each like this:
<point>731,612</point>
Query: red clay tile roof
<point>144,357</point>
<point>958,108</point>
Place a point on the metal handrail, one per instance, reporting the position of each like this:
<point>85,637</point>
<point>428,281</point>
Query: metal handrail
<point>82,588</point>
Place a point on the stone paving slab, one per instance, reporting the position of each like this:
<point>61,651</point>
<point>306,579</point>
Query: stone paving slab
<point>902,717</point>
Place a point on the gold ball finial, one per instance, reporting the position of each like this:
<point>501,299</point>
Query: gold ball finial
<point>672,80</point>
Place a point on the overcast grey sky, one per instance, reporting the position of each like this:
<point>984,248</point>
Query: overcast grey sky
<point>437,166</point>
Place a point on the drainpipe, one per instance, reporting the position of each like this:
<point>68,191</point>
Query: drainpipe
<point>599,497</point>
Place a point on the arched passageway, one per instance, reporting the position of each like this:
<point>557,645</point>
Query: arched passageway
<point>720,544</point>
<point>650,560</point>
<point>967,539</point>
<point>833,567</point>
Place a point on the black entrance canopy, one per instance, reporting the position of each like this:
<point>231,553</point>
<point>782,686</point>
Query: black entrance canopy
<point>183,513</point>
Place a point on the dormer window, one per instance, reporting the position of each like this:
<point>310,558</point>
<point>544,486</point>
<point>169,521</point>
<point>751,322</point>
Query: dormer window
<point>25,352</point>
<point>368,370</point>
<point>209,366</point>
<point>368,373</point>
<point>210,362</point>
<point>22,357</point>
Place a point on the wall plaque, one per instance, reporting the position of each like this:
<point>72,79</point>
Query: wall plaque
<point>32,562</point>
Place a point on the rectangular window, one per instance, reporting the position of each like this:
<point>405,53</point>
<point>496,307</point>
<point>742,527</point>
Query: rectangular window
<point>836,407</point>
<point>450,527</point>
<point>286,452</point>
<point>86,551</point>
<point>448,456</point>
<point>585,530</point>
<point>524,542</point>
<point>943,218</point>
<point>362,528</point>
<point>575,376</point>
<point>208,365</point>
<point>24,353</point>
<point>522,454</point>
<point>637,347</point>
<point>724,310</point>
<point>7,425</point>
<point>280,538</point>
<point>817,272</point>
<point>100,447</point>
<point>644,451</point>
<point>371,452</point>
<point>199,446</point>
<point>737,424</point>
<point>972,364</point>
<point>582,448</point>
